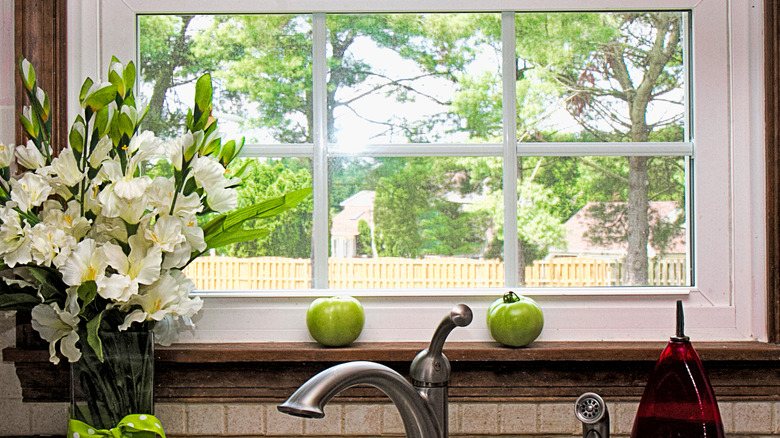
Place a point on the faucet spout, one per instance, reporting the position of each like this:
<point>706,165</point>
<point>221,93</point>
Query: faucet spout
<point>310,399</point>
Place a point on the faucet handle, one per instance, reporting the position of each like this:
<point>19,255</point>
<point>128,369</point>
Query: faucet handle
<point>431,366</point>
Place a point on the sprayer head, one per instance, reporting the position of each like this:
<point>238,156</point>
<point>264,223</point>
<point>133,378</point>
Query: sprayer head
<point>589,408</point>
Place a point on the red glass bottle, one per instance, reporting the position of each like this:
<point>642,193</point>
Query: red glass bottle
<point>678,401</point>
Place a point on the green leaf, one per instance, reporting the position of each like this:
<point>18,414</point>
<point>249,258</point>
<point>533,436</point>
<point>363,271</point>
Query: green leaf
<point>211,147</point>
<point>129,75</point>
<point>226,154</point>
<point>242,169</point>
<point>125,125</point>
<point>229,223</point>
<point>85,89</point>
<point>18,301</point>
<point>101,97</point>
<point>76,140</point>
<point>30,126</point>
<point>102,120</point>
<point>213,224</point>
<point>203,93</point>
<point>200,125</point>
<point>87,292</point>
<point>50,284</point>
<point>93,335</point>
<point>115,79</point>
<point>28,74</point>
<point>236,235</point>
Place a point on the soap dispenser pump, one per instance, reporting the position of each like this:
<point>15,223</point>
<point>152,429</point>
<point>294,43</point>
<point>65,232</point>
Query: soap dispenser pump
<point>678,400</point>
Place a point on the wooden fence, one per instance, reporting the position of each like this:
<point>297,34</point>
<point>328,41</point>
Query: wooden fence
<point>224,273</point>
<point>579,271</point>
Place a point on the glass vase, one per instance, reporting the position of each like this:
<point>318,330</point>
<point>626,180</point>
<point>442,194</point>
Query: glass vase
<point>102,393</point>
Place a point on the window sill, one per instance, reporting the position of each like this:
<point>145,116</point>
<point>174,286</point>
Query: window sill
<point>482,372</point>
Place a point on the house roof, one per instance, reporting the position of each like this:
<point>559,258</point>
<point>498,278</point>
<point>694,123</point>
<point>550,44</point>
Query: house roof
<point>356,208</point>
<point>578,241</point>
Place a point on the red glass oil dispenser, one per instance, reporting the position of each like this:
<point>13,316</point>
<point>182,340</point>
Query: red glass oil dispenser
<point>678,401</point>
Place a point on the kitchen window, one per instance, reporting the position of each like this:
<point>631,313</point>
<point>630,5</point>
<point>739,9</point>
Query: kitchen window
<point>387,121</point>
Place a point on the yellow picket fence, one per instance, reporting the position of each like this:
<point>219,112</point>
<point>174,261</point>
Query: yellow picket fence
<point>210,273</point>
<point>583,272</point>
<point>229,273</point>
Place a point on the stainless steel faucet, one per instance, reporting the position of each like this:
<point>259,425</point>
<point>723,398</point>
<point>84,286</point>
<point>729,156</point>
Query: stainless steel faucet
<point>423,406</point>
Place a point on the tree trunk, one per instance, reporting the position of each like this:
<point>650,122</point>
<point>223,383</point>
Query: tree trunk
<point>638,225</point>
<point>163,80</point>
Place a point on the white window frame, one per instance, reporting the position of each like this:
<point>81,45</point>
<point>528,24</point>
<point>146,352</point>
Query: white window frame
<point>728,299</point>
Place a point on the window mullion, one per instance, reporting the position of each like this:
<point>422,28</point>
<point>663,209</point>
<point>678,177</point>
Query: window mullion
<point>511,278</point>
<point>319,235</point>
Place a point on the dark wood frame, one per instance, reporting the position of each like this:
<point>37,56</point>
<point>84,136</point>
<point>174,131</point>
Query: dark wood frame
<point>481,371</point>
<point>40,34</point>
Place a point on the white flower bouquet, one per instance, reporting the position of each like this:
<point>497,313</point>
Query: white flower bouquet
<point>88,242</point>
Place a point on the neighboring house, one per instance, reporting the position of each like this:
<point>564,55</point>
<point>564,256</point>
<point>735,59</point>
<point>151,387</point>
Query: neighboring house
<point>344,228</point>
<point>578,243</point>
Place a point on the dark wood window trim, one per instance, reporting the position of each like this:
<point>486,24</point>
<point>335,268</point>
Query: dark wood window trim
<point>40,30</point>
<point>481,371</point>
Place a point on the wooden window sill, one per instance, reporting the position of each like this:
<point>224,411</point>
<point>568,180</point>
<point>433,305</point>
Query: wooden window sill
<point>482,371</point>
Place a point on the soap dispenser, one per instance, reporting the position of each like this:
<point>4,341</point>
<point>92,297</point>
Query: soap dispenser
<point>678,401</point>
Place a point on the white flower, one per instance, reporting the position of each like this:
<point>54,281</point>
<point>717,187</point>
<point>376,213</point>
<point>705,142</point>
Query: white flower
<point>222,200</point>
<point>160,194</point>
<point>142,266</point>
<point>193,232</point>
<point>131,189</point>
<point>69,220</point>
<point>188,205</point>
<point>208,173</point>
<point>107,229</point>
<point>55,324</point>
<point>100,152</point>
<point>166,233</point>
<point>174,149</point>
<point>29,156</point>
<point>142,147</point>
<point>30,191</point>
<point>67,169</point>
<point>14,243</point>
<point>178,257</point>
<point>116,287</point>
<point>6,154</point>
<point>50,244</point>
<point>125,196</point>
<point>167,296</point>
<point>86,263</point>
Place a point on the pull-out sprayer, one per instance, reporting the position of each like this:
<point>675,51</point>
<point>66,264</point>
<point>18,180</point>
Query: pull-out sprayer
<point>591,410</point>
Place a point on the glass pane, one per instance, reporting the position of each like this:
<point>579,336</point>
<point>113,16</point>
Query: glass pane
<point>579,218</point>
<point>415,223</point>
<point>280,260</point>
<point>425,78</point>
<point>260,67</point>
<point>606,77</point>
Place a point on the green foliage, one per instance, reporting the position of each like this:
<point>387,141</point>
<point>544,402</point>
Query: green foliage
<point>364,239</point>
<point>447,230</point>
<point>289,233</point>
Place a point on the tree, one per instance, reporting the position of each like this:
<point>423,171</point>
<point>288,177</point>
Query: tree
<point>632,60</point>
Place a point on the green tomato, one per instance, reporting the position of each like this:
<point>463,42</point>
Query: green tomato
<point>514,320</point>
<point>335,321</point>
